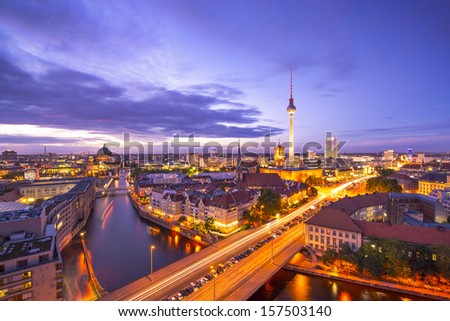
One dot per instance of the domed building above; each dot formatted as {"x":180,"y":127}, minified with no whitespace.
{"x":104,"y":155}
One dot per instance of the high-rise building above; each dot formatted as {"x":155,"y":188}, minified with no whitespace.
{"x":291,"y":109}
{"x":409,"y":154}
{"x":331,"y":149}
{"x":389,"y":155}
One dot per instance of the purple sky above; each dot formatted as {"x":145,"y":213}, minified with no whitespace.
{"x":76,"y":74}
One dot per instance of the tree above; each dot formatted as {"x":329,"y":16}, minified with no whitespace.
{"x":252,"y":217}
{"x":182,"y":219}
{"x":395,"y":254}
{"x":370,"y":260}
{"x":442,"y":256}
{"x":383,"y":185}
{"x":329,"y":256}
{"x":314,"y":180}
{"x":209,"y":224}
{"x":312,"y":191}
{"x":421,"y":259}
{"x":384,"y":172}
{"x":269,"y":203}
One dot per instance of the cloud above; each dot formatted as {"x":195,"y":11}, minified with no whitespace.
{"x":66,"y":98}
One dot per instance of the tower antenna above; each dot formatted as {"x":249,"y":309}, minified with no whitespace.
{"x":291,"y":85}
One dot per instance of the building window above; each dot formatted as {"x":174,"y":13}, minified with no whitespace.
{"x":322,"y":231}
{"x":334,"y":242}
{"x":353,"y":236}
{"x":316,"y":238}
{"x":316,"y":229}
{"x":310,"y":228}
{"x":434,"y":257}
{"x":347,"y":235}
{"x":310,"y":237}
{"x":328,"y":240}
{"x":340,"y":234}
{"x":353,"y":246}
{"x":2,"y":268}
{"x":43,"y":258}
{"x":22,"y":263}
{"x":322,"y":239}
{"x":334,"y":233}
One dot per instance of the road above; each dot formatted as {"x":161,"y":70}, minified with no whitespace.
{"x":172,"y":279}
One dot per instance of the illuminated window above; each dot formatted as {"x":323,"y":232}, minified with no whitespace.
{"x":434,"y":257}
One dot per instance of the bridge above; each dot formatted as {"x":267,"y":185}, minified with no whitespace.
{"x":239,"y":281}
{"x":103,"y":191}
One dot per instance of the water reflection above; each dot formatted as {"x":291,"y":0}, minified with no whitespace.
{"x":119,"y":247}
{"x":289,"y":286}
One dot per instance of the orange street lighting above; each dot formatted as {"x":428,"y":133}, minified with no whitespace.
{"x":214,"y":277}
{"x":152,"y":247}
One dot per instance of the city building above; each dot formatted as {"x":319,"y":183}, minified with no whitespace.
{"x":388,"y":155}
{"x":354,"y":220}
{"x":330,"y":150}
{"x":30,"y":268}
{"x":46,"y":189}
{"x":30,"y":261}
{"x":409,"y":184}
{"x":278,"y":156}
{"x":293,"y":174}
{"x":9,"y":155}
{"x":424,"y":208}
{"x":31,"y":174}
{"x":433,"y":181}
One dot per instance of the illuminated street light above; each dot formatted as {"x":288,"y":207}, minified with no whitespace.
{"x":151,"y":261}
{"x":82,"y":234}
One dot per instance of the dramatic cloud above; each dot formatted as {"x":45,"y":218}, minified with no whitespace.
{"x":71,"y":99}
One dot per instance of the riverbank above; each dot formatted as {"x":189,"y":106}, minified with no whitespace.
{"x":193,"y":236}
{"x":301,"y":264}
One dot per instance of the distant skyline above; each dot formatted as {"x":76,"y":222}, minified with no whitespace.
{"x":77,"y":74}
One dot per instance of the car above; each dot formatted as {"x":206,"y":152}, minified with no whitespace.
{"x":179,"y":296}
{"x":190,"y":289}
{"x":209,"y":276}
{"x":184,"y":292}
{"x":194,"y":286}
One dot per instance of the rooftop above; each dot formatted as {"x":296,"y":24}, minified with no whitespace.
{"x":11,"y":206}
{"x":20,"y":214}
{"x":26,"y":247}
{"x":406,"y":233}
{"x":351,"y":204}
{"x":335,"y":219}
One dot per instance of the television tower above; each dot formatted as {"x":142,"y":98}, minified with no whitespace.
{"x":291,"y":111}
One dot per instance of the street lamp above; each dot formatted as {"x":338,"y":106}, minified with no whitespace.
{"x":214,"y":277}
{"x":152,"y":247}
{"x":82,"y":234}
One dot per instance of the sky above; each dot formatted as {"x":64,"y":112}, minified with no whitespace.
{"x":77,"y":74}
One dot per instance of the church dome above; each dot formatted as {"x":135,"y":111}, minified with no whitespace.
{"x":104,"y":151}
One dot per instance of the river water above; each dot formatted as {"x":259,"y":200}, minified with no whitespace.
{"x":119,"y":246}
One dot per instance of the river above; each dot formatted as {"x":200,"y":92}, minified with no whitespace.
{"x":119,"y":249}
